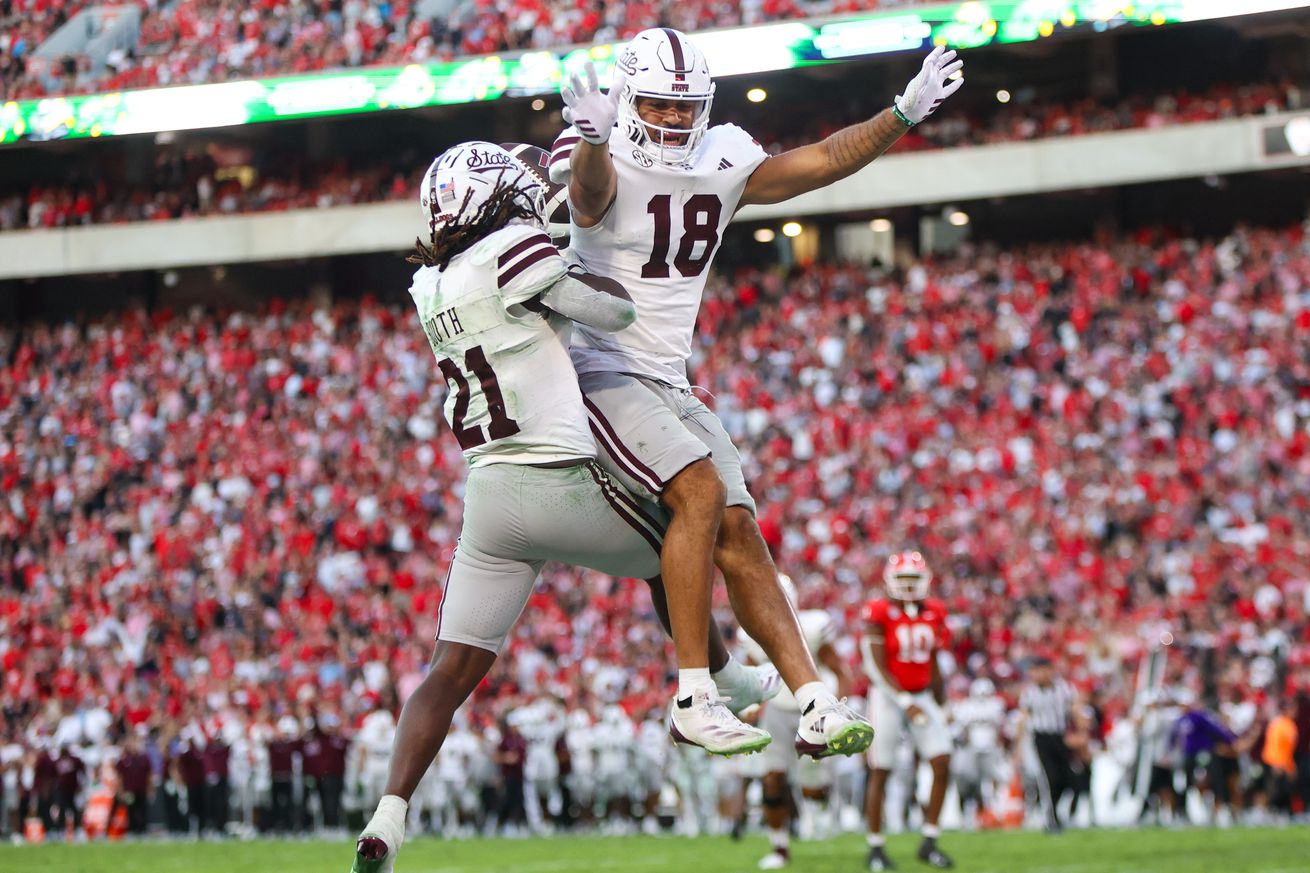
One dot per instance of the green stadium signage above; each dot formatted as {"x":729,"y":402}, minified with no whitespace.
{"x":731,"y":52}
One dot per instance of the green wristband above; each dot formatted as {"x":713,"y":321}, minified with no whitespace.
{"x":896,"y":110}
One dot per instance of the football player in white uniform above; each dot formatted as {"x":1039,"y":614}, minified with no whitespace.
{"x":372,"y":748}
{"x":978,"y":764}
{"x":781,"y":717}
{"x":613,"y":738}
{"x":542,"y":723}
{"x":651,"y":188}
{"x":495,"y":300}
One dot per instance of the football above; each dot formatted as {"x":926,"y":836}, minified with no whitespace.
{"x":537,"y":161}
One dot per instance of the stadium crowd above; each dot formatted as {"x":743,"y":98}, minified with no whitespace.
{"x":199,"y":41}
{"x":193,"y":181}
{"x":224,"y":530}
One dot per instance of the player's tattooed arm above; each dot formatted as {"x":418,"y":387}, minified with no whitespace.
{"x":855,"y":147}
{"x":822,"y":163}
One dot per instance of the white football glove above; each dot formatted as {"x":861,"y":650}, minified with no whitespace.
{"x":927,"y":90}
{"x":587,"y":109}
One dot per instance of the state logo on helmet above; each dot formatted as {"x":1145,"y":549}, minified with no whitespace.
{"x":906,"y":576}
{"x":463,"y":178}
{"x":662,"y":64}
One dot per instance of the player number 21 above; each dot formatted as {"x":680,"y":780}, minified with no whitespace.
{"x":700,"y":224}
{"x":914,"y":643}
{"x":501,"y":425}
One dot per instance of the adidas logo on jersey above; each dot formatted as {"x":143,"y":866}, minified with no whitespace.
{"x":724,"y":163}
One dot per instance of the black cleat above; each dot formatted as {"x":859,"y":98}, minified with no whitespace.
{"x":933,"y":856}
{"x":878,"y":860}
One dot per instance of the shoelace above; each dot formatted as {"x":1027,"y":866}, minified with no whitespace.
{"x":837,"y":707}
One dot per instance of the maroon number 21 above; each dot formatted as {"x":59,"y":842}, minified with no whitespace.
{"x":501,"y":426}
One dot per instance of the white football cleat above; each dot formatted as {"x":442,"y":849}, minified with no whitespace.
{"x":832,"y":728}
{"x":707,"y":722}
{"x":775,"y":860}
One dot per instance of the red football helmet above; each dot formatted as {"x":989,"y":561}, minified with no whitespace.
{"x":906,"y":576}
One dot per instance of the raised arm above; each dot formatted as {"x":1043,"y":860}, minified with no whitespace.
{"x":853,"y":148}
{"x":593,"y":183}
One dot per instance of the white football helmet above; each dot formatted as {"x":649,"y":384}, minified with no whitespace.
{"x":662,"y":63}
{"x":473,"y":170}
{"x":906,"y":576}
{"x":982,"y":687}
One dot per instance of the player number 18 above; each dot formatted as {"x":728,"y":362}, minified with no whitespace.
{"x":700,"y":224}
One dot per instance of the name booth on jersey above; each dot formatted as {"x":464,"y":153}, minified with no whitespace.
{"x":442,"y":326}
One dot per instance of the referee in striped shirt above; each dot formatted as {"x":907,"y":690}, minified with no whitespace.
{"x":1048,"y":703}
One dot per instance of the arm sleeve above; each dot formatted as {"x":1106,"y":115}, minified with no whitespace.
{"x":560,"y":153}
{"x":527,"y":264}
{"x":575,"y":299}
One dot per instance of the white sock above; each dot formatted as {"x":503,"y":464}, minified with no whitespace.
{"x":808,"y":693}
{"x":693,"y":680}
{"x":931,"y":832}
{"x":875,"y":841}
{"x":732,"y":674}
{"x":779,"y":838}
{"x":390,"y":819}
{"x":391,"y":805}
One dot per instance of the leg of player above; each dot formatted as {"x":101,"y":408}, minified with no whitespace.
{"x":877,"y":860}
{"x":695,"y":499}
{"x":777,"y":815}
{"x":928,"y":851}
{"x":741,"y":685}
{"x":828,"y":726}
{"x":424,"y":722}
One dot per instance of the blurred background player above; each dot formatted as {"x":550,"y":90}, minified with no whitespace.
{"x":656,"y":436}
{"x":542,"y":724}
{"x":783,"y":770}
{"x":903,"y":635}
{"x":978,"y":763}
{"x":371,"y":753}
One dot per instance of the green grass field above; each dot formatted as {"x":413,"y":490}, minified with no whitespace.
{"x":1190,"y":851}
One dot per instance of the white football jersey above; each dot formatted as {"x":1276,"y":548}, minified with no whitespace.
{"x":513,"y":395}
{"x":459,"y":755}
{"x":819,"y":630}
{"x":980,"y":720}
{"x":658,"y":238}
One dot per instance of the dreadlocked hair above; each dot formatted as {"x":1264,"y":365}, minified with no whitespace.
{"x":456,"y":237}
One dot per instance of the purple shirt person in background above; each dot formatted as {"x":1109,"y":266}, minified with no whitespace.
{"x":1199,"y":731}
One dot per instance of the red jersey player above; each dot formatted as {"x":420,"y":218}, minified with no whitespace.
{"x":901,"y":640}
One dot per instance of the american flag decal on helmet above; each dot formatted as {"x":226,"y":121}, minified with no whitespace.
{"x":446,"y":191}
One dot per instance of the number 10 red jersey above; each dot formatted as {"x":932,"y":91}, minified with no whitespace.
{"x":911,"y":641}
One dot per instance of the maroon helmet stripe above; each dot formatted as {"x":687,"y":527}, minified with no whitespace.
{"x":679,"y":63}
